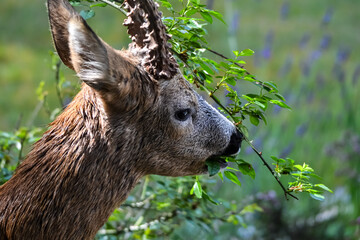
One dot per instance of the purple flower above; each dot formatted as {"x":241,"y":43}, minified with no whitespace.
{"x":266,"y":52}
{"x":342,"y":55}
{"x":301,"y":129}
{"x":327,"y":17}
{"x":284,"y":10}
{"x":325,"y":42}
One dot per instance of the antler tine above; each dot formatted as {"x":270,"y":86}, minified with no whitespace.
{"x":149,"y":38}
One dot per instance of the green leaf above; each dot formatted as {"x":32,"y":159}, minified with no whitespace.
{"x":299,"y":167}
{"x":207,"y":17}
{"x":98,"y":5}
{"x":254,"y":120}
{"x":262,"y":105}
{"x":254,"y":207}
{"x":191,"y":11}
{"x":278,"y":95}
{"x":246,"y":52}
{"x":217,"y":15}
{"x":87,"y":14}
{"x":196,"y":189}
{"x":317,"y":196}
{"x":323,"y":187}
{"x":221,"y":176}
{"x":246,"y":169}
{"x":231,"y":81}
{"x":237,"y":53}
{"x":278,"y":160}
{"x":280,"y":104}
{"x":207,"y":197}
{"x":206,"y":68}
{"x":196,"y":2}
{"x":213,"y":166}
{"x":166,"y":4}
{"x":232,"y":177}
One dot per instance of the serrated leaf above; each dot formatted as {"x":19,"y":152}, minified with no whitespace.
{"x":232,"y":177}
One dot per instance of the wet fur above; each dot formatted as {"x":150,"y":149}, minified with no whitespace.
{"x":118,"y":128}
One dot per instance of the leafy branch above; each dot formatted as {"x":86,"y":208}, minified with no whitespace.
{"x":188,"y":45}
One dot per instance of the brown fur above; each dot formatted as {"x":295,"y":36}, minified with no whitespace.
{"x":121,"y":126}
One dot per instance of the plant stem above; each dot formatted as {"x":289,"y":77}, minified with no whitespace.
{"x":211,"y":95}
{"x":286,"y":192}
{"x":114,"y":5}
{"x":57,"y":80}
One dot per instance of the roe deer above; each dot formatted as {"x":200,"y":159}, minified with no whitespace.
{"x":135,"y":115}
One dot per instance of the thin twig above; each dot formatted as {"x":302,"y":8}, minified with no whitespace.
{"x":211,"y":95}
{"x":286,"y":192}
{"x":240,"y":66}
{"x":114,"y":5}
{"x":57,"y":80}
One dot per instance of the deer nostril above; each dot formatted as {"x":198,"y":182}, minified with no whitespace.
{"x":234,"y":144}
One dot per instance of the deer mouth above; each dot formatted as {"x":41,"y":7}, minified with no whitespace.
{"x":214,"y":164}
{"x":219,"y":160}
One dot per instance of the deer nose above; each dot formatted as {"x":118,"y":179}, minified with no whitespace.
{"x":234,"y":144}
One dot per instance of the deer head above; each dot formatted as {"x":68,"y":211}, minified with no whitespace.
{"x":135,"y":115}
{"x":143,"y":88}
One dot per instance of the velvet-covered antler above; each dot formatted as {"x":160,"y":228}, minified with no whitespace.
{"x":149,"y":38}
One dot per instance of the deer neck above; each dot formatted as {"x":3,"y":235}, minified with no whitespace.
{"x":73,"y":179}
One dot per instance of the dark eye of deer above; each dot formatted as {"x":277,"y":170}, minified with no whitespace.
{"x":183,"y":114}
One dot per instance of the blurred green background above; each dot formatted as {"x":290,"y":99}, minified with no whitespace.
{"x":310,"y":49}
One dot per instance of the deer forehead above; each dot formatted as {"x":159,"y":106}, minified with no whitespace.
{"x":179,"y":92}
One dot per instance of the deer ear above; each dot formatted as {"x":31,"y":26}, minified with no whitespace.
{"x":88,"y":55}
{"x":78,"y":46}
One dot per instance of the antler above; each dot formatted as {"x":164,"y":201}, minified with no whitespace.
{"x":149,"y":38}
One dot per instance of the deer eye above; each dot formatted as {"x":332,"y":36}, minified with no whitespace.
{"x":183,"y":114}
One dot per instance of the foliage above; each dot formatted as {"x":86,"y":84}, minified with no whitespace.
{"x":160,"y":200}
